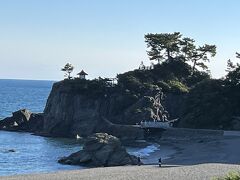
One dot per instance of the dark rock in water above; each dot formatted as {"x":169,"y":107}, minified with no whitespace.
{"x":201,"y":141}
{"x":99,"y":150}
{"x":22,"y":116}
{"x":23,"y":120}
{"x":19,"y":118}
{"x":11,"y":150}
{"x":35,"y":123}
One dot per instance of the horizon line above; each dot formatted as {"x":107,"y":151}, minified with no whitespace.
{"x":22,"y":79}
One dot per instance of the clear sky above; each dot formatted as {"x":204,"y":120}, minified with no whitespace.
{"x":106,"y":37}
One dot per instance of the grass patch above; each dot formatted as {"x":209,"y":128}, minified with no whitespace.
{"x":229,"y":176}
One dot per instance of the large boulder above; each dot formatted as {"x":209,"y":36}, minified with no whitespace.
{"x":100,"y":150}
{"x":23,"y":120}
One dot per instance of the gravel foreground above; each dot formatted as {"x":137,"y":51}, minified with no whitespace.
{"x":150,"y":172}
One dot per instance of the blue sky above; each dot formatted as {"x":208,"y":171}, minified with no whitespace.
{"x":106,"y":37}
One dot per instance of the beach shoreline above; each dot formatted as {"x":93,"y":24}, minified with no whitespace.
{"x":201,"y":157}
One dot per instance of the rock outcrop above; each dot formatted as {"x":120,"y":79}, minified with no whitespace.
{"x":100,"y":150}
{"x":74,"y":108}
{"x":80,"y":108}
{"x":23,"y":120}
{"x":70,"y":111}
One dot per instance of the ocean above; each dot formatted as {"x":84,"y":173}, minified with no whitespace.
{"x":35,"y":154}
{"x":18,"y":94}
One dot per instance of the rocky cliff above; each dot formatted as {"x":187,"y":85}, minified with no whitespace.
{"x":72,"y":111}
{"x":82,"y":107}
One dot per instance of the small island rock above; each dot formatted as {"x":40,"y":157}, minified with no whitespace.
{"x":23,"y":120}
{"x":101,"y":150}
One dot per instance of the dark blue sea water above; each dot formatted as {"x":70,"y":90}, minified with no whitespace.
{"x":17,"y":94}
{"x":33,"y":154}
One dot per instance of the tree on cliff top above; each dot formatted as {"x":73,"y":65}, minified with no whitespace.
{"x":171,"y":46}
{"x":201,"y":55}
{"x":233,"y":76}
{"x":237,"y":55}
{"x":68,"y":69}
{"x":187,"y":48}
{"x":163,"y":46}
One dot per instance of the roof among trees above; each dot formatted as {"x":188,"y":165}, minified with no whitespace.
{"x":82,"y":73}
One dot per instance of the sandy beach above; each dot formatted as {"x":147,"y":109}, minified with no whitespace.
{"x":196,"y":172}
{"x":197,"y":157}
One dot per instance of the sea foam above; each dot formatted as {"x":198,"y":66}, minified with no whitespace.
{"x":144,"y":152}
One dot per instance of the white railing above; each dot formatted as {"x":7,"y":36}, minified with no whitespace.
{"x":156,"y":124}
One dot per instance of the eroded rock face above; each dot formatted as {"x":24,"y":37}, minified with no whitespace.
{"x":99,"y":150}
{"x":73,"y":108}
{"x":23,"y":120}
{"x":69,"y":112}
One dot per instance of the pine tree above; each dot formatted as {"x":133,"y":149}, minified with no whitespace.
{"x":163,"y":46}
{"x":68,"y":69}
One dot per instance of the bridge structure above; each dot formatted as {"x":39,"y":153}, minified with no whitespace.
{"x":157,"y":124}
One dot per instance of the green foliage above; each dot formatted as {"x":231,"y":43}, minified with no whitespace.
{"x":96,"y":88}
{"x":130,"y":82}
{"x":208,"y":106}
{"x":213,"y":103}
{"x":163,"y":46}
{"x":170,"y":76}
{"x":232,"y":82}
{"x":230,"y":176}
{"x":123,"y":101}
{"x":164,"y":86}
{"x":177,"y":87}
{"x":68,"y":69}
{"x":201,"y":55}
{"x":233,"y":76}
{"x":187,"y":48}
{"x":171,"y":46}
{"x":171,"y":70}
{"x":237,"y":55}
{"x":197,"y":77}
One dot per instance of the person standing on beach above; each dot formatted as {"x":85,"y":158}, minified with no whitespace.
{"x":160,"y":162}
{"x":139,"y":160}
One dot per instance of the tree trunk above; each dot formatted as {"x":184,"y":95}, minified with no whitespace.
{"x":168,"y":54}
{"x":194,"y":66}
